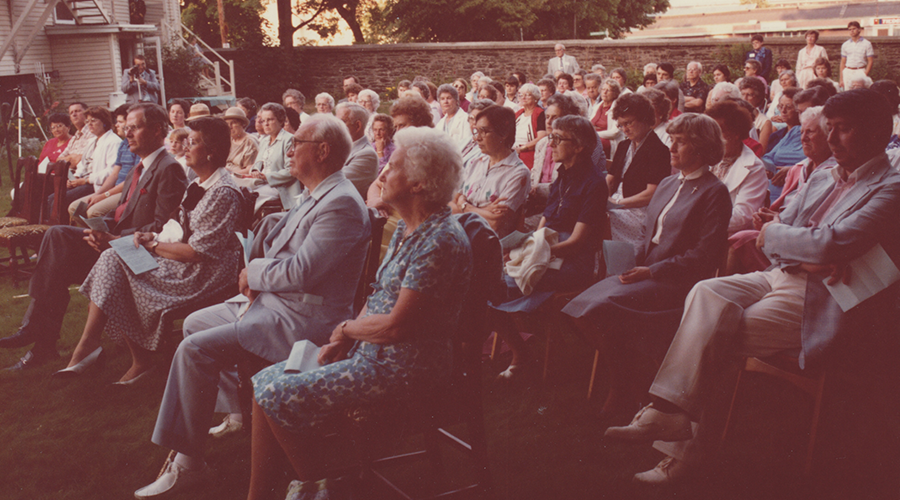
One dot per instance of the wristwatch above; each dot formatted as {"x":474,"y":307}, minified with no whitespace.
{"x":462,"y":208}
{"x":343,"y":325}
{"x":153,"y":246}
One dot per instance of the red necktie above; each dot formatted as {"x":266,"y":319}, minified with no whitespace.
{"x":134,"y":182}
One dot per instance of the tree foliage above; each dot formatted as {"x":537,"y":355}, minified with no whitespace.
{"x":478,"y":20}
{"x":244,"y":18}
{"x":322,"y":17}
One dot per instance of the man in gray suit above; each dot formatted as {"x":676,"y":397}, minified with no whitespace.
{"x":562,"y":62}
{"x":361,"y":166}
{"x":842,"y":214}
{"x":300,"y":283}
{"x":139,"y":83}
{"x":68,"y":253}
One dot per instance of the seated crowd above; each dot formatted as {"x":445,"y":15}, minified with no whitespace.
{"x":739,"y":212}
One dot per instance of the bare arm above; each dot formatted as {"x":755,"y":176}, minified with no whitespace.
{"x":641,"y":199}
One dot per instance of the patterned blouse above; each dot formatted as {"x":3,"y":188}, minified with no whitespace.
{"x":435,"y":260}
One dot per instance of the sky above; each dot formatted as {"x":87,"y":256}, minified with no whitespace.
{"x":344,"y":37}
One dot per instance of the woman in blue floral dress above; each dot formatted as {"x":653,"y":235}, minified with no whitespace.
{"x":399,"y":345}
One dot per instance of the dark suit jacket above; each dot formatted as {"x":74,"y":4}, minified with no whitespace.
{"x":651,"y":164}
{"x":158,"y":195}
{"x":695,"y":231}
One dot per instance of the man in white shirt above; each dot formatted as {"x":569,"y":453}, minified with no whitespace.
{"x":857,"y":56}
{"x":562,"y":62}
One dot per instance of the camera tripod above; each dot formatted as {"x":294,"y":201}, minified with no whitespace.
{"x":19,"y":112}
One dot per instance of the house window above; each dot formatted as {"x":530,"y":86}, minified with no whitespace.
{"x":62,"y":15}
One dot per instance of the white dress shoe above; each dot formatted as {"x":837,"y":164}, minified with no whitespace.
{"x":82,"y":365}
{"x":139,"y":376}
{"x":651,"y":424}
{"x":173,"y":479}
{"x":668,"y":471}
{"x":227,"y":426}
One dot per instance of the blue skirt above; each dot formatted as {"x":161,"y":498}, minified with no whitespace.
{"x":576,"y":273}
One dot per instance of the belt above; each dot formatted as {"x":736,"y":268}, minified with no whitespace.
{"x":861,"y":67}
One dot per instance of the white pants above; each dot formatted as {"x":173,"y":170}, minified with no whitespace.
{"x":849,"y":74}
{"x":754,"y":314}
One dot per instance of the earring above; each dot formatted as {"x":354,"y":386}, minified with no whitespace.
{"x":208,"y":157}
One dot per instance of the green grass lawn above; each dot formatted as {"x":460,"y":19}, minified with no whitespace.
{"x":88,"y":439}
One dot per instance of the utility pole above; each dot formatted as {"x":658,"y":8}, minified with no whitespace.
{"x":223,"y":27}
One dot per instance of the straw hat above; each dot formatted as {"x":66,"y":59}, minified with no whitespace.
{"x":236,"y":113}
{"x":198,"y":110}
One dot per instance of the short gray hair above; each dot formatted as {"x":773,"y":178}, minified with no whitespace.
{"x":789,"y":73}
{"x":726,"y":89}
{"x":326,"y":96}
{"x":531,"y":89}
{"x":376,"y":101}
{"x":593,"y":77}
{"x":481,"y":104}
{"x":296,"y":94}
{"x":815,"y":114}
{"x":702,"y":133}
{"x":650,"y":67}
{"x":598,"y":66}
{"x":448,"y":89}
{"x":699,"y":66}
{"x":328,"y":129}
{"x":276,"y":109}
{"x":357,"y":112}
{"x":477,"y":74}
{"x":433,"y":160}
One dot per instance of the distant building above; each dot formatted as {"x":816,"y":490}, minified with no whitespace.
{"x":780,"y":19}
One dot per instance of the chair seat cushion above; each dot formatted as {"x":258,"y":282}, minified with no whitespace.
{"x":12,"y":221}
{"x":22,"y":234}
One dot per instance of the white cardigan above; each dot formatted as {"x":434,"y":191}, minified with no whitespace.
{"x":748,"y":186}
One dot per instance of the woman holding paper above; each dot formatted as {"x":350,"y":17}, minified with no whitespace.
{"x":685,"y":238}
{"x":576,"y":211}
{"x":399,"y":345}
{"x":196,"y":254}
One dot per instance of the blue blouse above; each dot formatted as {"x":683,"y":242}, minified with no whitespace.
{"x":435,"y":260}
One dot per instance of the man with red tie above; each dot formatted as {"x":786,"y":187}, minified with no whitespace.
{"x":154,"y":189}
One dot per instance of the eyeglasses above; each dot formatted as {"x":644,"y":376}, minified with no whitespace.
{"x":481,"y":131}
{"x":132,"y":128}
{"x":54,"y":126}
{"x":267,"y":120}
{"x":190,"y":142}
{"x":556,"y":139}
{"x":298,"y":142}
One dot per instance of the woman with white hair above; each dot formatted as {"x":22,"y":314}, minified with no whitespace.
{"x":398,"y":348}
{"x":324,"y":103}
{"x":723,"y":91}
{"x":473,"y":94}
{"x":530,"y":123}
{"x":369,"y":99}
{"x":454,"y":123}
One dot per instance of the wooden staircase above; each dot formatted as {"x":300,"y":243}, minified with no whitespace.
{"x":87,"y":12}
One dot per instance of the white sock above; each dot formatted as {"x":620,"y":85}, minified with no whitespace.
{"x":188,"y":462}
{"x":237,"y":417}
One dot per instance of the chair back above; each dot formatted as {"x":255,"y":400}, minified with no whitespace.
{"x":58,"y":175}
{"x":486,"y":285}
{"x":248,"y":203}
{"x":372,"y":263}
{"x":23,"y":191}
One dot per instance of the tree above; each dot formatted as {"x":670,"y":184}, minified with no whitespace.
{"x":245,"y":22}
{"x":476,"y":20}
{"x":320,"y":16}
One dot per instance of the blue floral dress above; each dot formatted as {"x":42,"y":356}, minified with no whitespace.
{"x":436,"y":261}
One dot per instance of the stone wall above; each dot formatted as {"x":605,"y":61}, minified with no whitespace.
{"x":380,"y":67}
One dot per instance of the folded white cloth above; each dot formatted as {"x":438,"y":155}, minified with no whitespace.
{"x":529,"y":262}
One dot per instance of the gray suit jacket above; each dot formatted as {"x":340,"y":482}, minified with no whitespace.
{"x":307,"y":264}
{"x":569,"y":65}
{"x":157,"y":196}
{"x":867,"y":215}
{"x":361,"y":166}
